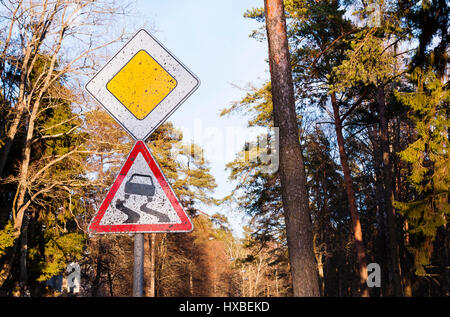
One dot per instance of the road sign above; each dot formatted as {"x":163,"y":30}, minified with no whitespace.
{"x":142,"y":85}
{"x":140,"y":200}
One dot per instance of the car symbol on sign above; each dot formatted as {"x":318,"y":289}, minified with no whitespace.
{"x":143,"y":187}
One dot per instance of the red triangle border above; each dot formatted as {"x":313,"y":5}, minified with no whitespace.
{"x":185,"y":225}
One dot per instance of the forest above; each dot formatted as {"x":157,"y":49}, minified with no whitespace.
{"x":359,"y":91}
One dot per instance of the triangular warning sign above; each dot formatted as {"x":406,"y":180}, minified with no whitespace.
{"x":140,"y":200}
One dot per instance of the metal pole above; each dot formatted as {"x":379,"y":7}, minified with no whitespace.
{"x":138,"y":268}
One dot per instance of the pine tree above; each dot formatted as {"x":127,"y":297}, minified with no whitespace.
{"x":429,"y":160}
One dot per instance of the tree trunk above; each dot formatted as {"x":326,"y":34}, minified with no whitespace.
{"x":276,"y":284}
{"x":381,"y":223}
{"x":325,"y":231}
{"x":23,"y":274}
{"x":191,"y":283}
{"x":110,"y":282}
{"x":388,"y":194}
{"x":446,"y":266}
{"x":4,"y":153}
{"x":357,"y":231}
{"x":8,"y":264}
{"x":98,"y":272}
{"x":149,"y":264}
{"x":292,"y":171}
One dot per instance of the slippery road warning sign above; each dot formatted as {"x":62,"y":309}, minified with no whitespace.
{"x":142,"y":85}
{"x":140,"y":200}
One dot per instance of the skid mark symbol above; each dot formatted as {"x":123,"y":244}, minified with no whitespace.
{"x":133,"y":217}
{"x":161,"y":217}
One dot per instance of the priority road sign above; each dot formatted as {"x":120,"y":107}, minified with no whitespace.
{"x":142,"y":85}
{"x":140,"y":200}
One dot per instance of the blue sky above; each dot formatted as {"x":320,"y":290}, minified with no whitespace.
{"x":212,"y":39}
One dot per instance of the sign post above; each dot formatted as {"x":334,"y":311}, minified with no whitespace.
{"x":140,"y":87}
{"x":138,"y":266}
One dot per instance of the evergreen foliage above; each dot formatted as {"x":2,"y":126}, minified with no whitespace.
{"x":429,"y":160}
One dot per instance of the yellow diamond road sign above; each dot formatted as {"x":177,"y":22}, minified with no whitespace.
{"x":142,"y":85}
